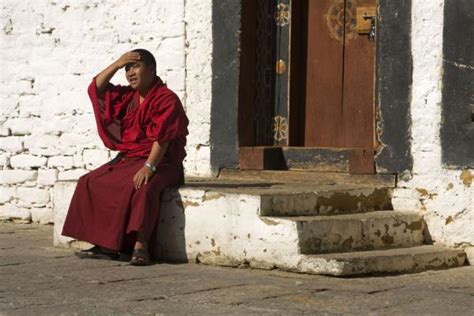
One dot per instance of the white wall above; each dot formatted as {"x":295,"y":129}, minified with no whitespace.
{"x":198,"y":17}
{"x":445,"y":197}
{"x":50,"y":50}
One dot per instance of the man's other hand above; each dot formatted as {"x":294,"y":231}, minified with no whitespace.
{"x":142,"y":177}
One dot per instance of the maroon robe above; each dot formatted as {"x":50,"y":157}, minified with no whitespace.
{"x":106,"y":210}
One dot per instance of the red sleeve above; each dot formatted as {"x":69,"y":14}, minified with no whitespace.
{"x":168,"y":119}
{"x":108,"y":111}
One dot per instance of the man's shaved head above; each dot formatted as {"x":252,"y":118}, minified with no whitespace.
{"x":146,"y":57}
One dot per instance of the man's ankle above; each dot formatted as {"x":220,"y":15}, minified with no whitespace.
{"x":140,"y":245}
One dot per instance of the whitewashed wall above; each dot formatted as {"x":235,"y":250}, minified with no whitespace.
{"x":50,"y":50}
{"x":445,"y":197}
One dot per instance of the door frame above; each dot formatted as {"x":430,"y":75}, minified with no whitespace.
{"x":392,"y":84}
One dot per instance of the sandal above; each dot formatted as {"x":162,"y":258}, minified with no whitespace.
{"x":140,"y":257}
{"x":97,"y":252}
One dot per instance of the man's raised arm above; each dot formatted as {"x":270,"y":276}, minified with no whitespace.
{"x":105,"y":75}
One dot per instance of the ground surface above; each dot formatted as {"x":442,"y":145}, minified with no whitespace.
{"x":38,"y":279}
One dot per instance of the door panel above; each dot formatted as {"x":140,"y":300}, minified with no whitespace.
{"x":340,"y":77}
{"x":358,"y":91}
{"x":323,"y":123}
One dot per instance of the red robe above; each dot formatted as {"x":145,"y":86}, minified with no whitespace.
{"x":105,"y":209}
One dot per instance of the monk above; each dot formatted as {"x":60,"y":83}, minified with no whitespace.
{"x":115,"y":207}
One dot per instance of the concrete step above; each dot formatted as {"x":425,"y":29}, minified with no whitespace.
{"x":303,"y":198}
{"x":306,"y":176}
{"x":367,"y":231}
{"x":221,"y":224}
{"x":326,"y":201}
{"x":404,"y":260}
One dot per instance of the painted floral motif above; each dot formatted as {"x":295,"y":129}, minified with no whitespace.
{"x":335,"y":19}
{"x":280,"y":129}
{"x":282,"y":15}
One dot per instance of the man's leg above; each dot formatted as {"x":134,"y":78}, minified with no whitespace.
{"x":145,"y":205}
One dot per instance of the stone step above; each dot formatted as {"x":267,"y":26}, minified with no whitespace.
{"x":305,"y":177}
{"x":219,"y":225}
{"x":326,"y":201}
{"x":367,"y":231}
{"x":403,"y":260}
{"x":304,"y":198}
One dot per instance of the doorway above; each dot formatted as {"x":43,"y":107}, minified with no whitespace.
{"x":307,"y":75}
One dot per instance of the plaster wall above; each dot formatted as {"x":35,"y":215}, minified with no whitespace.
{"x":443,"y":196}
{"x":50,"y":50}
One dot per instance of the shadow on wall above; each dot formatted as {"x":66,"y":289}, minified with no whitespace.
{"x":170,"y":242}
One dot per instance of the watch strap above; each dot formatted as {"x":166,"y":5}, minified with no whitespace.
{"x":150,"y":166}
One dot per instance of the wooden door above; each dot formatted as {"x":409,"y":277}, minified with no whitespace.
{"x":339,"y":110}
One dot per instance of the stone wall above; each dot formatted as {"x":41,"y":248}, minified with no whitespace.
{"x":445,"y":197}
{"x":50,"y":50}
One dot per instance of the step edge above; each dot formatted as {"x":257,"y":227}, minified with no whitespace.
{"x":425,"y":249}
{"x":349,"y":267}
{"x":366,"y":215}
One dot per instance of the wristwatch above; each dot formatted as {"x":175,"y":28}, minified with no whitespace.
{"x":150,"y":166}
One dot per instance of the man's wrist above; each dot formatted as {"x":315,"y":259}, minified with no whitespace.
{"x":116,"y":65}
{"x":150,"y":166}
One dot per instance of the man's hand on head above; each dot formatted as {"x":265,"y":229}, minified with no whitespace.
{"x":103,"y":78}
{"x":127,"y":58}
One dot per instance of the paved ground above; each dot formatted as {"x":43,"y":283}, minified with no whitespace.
{"x":38,"y":279}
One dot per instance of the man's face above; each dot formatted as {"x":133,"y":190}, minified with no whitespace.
{"x":139,"y":75}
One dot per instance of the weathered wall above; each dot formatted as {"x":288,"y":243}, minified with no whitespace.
{"x":198,"y":19}
{"x":50,"y":50}
{"x":445,"y":197}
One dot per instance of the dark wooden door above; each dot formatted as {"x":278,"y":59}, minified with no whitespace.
{"x":339,"y":110}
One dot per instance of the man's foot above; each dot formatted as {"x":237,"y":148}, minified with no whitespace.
{"x":97,"y":252}
{"x":140,"y":257}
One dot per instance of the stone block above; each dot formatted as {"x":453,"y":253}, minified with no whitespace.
{"x":4,"y":160}
{"x":167,"y":54}
{"x":11,"y":211}
{"x":29,"y":105}
{"x":64,"y":162}
{"x":29,"y":184}
{"x":94,"y":158}
{"x":84,"y":123}
{"x":42,"y":215}
{"x":73,"y":174}
{"x":7,"y":194}
{"x":88,"y":140}
{"x":23,"y":126}
{"x":33,"y":195}
{"x":9,"y":107}
{"x":11,"y":144}
{"x":25,"y":161}
{"x":236,"y":234}
{"x":43,"y":145}
{"x":4,"y":131}
{"x":57,"y":125}
{"x":16,"y":176}
{"x":78,"y":161}
{"x":175,"y":79}
{"x":47,"y":177}
{"x":62,"y":195}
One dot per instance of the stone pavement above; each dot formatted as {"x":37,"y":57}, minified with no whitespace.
{"x":36,"y":278}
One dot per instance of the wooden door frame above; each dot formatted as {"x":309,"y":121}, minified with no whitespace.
{"x":392,"y":92}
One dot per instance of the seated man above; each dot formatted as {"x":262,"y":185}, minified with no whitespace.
{"x":116,"y":206}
